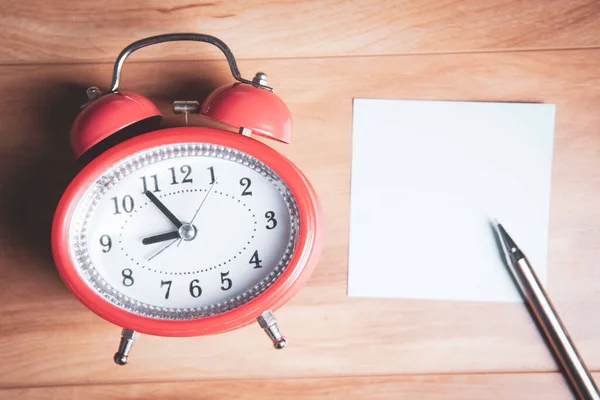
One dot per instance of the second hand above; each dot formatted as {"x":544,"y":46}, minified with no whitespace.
{"x":164,"y":248}
{"x":200,"y":206}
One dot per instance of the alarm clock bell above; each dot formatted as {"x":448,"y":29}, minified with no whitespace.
{"x":249,"y":107}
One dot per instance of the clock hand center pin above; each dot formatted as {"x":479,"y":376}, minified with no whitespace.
{"x":187,"y":232}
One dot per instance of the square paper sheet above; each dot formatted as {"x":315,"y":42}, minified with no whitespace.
{"x":427,"y":179}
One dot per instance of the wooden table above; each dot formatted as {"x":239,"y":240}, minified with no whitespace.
{"x":319,"y":55}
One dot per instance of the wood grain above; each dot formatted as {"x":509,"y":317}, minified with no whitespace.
{"x":550,"y":386}
{"x":48,"y":338}
{"x":36,"y":31}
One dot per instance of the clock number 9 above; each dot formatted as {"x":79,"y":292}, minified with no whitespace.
{"x":271,"y":221}
{"x":127,"y":277}
{"x":195,"y":289}
{"x":106,"y":243}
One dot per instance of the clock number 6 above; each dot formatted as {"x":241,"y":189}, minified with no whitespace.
{"x":195,"y":289}
{"x":225,"y":281}
{"x":127,"y":277}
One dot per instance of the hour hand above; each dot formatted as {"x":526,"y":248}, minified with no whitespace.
{"x":161,"y":238}
{"x":163,"y":209}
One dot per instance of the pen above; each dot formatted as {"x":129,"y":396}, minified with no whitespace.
{"x":542,"y":310}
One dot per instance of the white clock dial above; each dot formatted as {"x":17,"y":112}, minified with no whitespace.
{"x":184,"y":231}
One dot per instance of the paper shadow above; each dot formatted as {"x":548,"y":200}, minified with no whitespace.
{"x":39,"y":173}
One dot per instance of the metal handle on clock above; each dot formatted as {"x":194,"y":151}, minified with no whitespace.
{"x":177,"y":37}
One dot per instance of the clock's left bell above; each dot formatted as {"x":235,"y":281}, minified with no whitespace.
{"x":108,"y":119}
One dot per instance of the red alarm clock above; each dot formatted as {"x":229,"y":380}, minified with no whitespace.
{"x":185,"y":231}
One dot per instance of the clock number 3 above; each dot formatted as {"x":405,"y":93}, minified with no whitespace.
{"x":127,"y":277}
{"x":271,"y":221}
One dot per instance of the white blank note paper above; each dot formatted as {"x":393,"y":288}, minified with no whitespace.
{"x":427,"y":178}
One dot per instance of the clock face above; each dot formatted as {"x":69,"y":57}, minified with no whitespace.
{"x":184,"y":231}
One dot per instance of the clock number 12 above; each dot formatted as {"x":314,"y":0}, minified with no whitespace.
{"x":185,"y":169}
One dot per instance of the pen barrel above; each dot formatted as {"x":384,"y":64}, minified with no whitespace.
{"x":555,"y":332}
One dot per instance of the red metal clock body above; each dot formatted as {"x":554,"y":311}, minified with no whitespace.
{"x":124,"y":203}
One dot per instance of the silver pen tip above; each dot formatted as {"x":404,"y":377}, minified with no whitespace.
{"x":509,"y":247}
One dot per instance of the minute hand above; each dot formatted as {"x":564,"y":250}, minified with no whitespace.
{"x":163,"y":209}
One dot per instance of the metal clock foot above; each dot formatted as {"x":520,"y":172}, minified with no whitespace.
{"x":269,"y":324}
{"x":127,"y":338}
